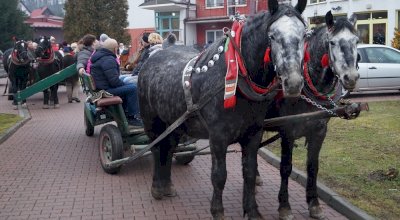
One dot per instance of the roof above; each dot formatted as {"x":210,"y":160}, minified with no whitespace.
{"x":161,"y":2}
{"x":41,"y":11}
{"x":45,"y":24}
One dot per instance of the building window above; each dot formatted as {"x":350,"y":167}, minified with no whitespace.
{"x":372,"y":27}
{"x":167,"y":22}
{"x":398,"y":19}
{"x":237,"y":2}
{"x":317,"y":1}
{"x":214,"y":3}
{"x":213,"y":35}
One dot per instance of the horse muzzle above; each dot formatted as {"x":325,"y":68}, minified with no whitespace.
{"x":292,"y":86}
{"x":349,"y":81}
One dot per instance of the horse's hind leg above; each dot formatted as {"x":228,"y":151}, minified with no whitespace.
{"x":249,"y":144}
{"x":162,"y":154}
{"x":218,"y":175}
{"x":284,"y":209}
{"x":46,"y":98}
{"x":314,"y":140}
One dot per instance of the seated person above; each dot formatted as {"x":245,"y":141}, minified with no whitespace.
{"x":105,"y":72}
{"x":155,"y":44}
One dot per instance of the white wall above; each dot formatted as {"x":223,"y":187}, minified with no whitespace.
{"x":351,"y":6}
{"x":139,"y":18}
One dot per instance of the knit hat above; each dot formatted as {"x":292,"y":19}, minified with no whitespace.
{"x":145,"y":37}
{"x":103,"y":37}
{"x":110,"y":44}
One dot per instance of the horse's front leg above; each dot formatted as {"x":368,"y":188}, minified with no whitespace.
{"x":162,"y":154}
{"x":54,"y":95}
{"x":315,"y":140}
{"x":250,"y":143}
{"x":218,"y":176}
{"x":285,"y":211}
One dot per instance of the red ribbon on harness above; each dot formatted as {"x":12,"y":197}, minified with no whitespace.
{"x":325,"y":61}
{"x":233,"y":63}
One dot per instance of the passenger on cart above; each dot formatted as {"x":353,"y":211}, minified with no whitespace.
{"x":105,"y":72}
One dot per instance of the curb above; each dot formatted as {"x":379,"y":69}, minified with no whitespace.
{"x":324,"y":193}
{"x":22,"y":112}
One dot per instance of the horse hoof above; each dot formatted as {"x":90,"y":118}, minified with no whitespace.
{"x":24,"y":105}
{"x":316,"y":212}
{"x":157,"y":193}
{"x":45,"y":107}
{"x":259,"y":181}
{"x":170,"y":191}
{"x":285,"y":214}
{"x":15,"y":107}
{"x":218,"y":217}
{"x":57,"y":106}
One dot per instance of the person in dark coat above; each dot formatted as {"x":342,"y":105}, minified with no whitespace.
{"x":105,"y":71}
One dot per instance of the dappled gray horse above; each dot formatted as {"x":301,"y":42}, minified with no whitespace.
{"x":162,"y":97}
{"x":332,"y":61}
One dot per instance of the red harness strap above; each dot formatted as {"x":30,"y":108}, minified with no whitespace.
{"x":324,"y":64}
{"x":48,"y":60}
{"x":234,"y":63}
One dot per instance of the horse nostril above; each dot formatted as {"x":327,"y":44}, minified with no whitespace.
{"x":346,"y":77}
{"x":285,"y":83}
{"x":358,"y":76}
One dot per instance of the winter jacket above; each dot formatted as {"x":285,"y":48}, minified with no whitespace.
{"x":142,"y":59}
{"x":105,"y":69}
{"x":83,"y":57}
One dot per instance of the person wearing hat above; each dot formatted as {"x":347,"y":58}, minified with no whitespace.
{"x":105,"y":71}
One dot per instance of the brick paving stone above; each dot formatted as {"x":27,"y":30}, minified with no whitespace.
{"x":50,"y":170}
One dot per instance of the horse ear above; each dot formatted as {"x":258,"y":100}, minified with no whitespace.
{"x":273,"y":6}
{"x":353,"y":19}
{"x":329,"y":19}
{"x":301,"y":5}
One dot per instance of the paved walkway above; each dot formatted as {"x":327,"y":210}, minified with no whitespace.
{"x":49,"y":169}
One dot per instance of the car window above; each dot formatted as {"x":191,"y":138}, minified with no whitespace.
{"x":382,"y":55}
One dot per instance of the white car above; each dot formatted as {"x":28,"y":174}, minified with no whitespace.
{"x":379,"y":68}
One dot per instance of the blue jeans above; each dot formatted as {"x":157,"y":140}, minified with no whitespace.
{"x":128,"y":79}
{"x":129,"y":95}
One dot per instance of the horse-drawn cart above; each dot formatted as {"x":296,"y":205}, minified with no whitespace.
{"x":119,"y":139}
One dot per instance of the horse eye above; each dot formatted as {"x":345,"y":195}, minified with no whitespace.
{"x":332,"y":43}
{"x":271,"y":37}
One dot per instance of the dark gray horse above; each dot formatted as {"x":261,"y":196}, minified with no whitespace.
{"x":50,"y":62}
{"x":333,"y":60}
{"x":17,"y":65}
{"x":162,"y":99}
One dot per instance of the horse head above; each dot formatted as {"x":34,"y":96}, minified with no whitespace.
{"x":20,"y":52}
{"x":286,"y":35}
{"x":342,"y":42}
{"x":44,"y":49}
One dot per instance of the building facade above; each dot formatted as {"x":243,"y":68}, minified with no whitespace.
{"x":45,"y":23}
{"x":197,"y":22}
{"x":376,"y":20}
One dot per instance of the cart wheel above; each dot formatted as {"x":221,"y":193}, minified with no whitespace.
{"x":111,"y":147}
{"x":184,"y":160}
{"x":89,"y":128}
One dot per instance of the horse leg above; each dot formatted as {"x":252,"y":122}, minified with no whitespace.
{"x":46,"y":98}
{"x":54,"y":95}
{"x":23,"y":83}
{"x":162,"y":154}
{"x":218,"y":175}
{"x":314,"y":140}
{"x":285,"y":211}
{"x":249,"y":145}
